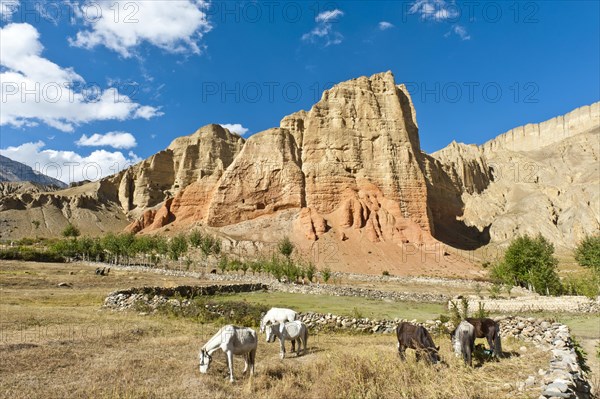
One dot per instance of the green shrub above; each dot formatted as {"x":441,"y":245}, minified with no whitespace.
{"x":178,"y":246}
{"x":310,"y":271}
{"x":195,"y":239}
{"x":30,"y":255}
{"x":326,"y":274}
{"x":385,"y":273}
{"x":210,"y":245}
{"x":587,"y":253}
{"x":223,"y":263}
{"x":481,"y":312}
{"x":587,"y":285}
{"x":530,"y":262}
{"x":285,"y":247}
{"x":71,"y":231}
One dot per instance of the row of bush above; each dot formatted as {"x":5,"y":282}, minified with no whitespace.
{"x":128,"y":249}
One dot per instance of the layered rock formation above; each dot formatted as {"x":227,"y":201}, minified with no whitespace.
{"x":348,"y":172}
{"x":351,"y":162}
{"x":539,"y":178}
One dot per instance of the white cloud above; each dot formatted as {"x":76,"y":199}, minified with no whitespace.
{"x":435,"y":10}
{"x":327,"y":16}
{"x":69,"y":166}
{"x":384,"y":25}
{"x":35,"y":89}
{"x":122,"y":26}
{"x":122,"y":140}
{"x":324,"y":31}
{"x":441,"y":11}
{"x":460,"y":31}
{"x":7,"y":9}
{"x":235,"y":127}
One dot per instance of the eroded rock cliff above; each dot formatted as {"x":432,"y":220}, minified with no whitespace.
{"x":348,"y":171}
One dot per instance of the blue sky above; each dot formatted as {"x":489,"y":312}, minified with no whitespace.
{"x":145,"y":72}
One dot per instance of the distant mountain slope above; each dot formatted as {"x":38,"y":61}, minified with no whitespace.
{"x":13,"y":171}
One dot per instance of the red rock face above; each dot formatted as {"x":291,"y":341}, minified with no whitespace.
{"x":352,"y":161}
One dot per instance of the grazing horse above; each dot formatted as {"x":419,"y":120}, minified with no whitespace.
{"x":417,"y":338}
{"x":489,"y":329}
{"x":290,"y":331}
{"x":233,"y":341}
{"x":463,"y":341}
{"x":278,"y":315}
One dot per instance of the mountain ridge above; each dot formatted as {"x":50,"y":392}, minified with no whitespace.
{"x":349,"y":171}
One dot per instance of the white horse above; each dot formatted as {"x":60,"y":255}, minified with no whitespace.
{"x":463,"y":341}
{"x":278,"y":315}
{"x":233,"y":341}
{"x":291,"y":331}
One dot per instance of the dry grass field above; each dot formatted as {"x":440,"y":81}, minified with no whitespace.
{"x":57,"y":343}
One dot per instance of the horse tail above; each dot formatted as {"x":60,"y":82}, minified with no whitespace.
{"x":497,"y":342}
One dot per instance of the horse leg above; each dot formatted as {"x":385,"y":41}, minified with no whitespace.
{"x":246,"y":361}
{"x":252,"y":358}
{"x":401,"y":350}
{"x":282,"y":348}
{"x":468,"y":357}
{"x":490,"y":340}
{"x":294,"y":345}
{"x":230,"y":364}
{"x":305,"y":342}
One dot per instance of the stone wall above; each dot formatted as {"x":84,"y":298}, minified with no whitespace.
{"x":154,"y":296}
{"x":564,"y":377}
{"x":536,"y":303}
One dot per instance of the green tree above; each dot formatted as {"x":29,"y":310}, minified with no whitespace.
{"x":127,"y":246}
{"x":111,"y":244}
{"x":223,"y":264}
{"x":71,"y":231}
{"x":178,"y":247}
{"x":326,"y":274}
{"x":195,"y":239}
{"x":210,"y":245}
{"x":530,"y":262}
{"x":587,"y":253}
{"x":85,"y":247}
{"x":285,"y":247}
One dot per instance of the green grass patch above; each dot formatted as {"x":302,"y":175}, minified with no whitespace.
{"x":347,"y":306}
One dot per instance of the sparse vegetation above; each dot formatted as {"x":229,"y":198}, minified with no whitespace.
{"x":385,"y":273}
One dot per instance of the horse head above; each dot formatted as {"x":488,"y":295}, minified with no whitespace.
{"x":263,"y":322}
{"x":205,"y":360}
{"x":434,"y":356}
